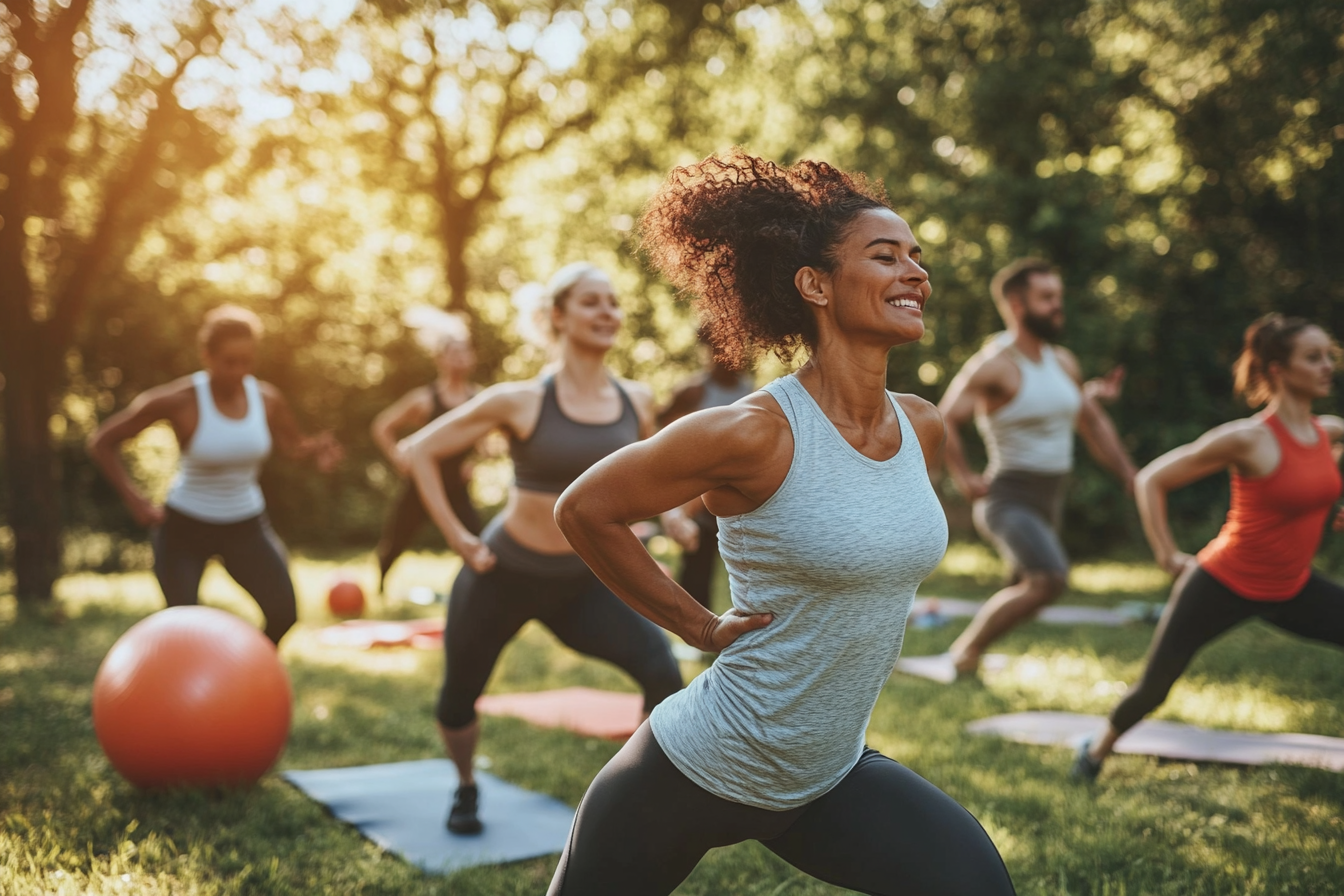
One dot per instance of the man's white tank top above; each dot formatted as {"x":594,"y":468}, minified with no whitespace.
{"x":216,"y":478}
{"x":1033,"y":433}
{"x":836,"y":555}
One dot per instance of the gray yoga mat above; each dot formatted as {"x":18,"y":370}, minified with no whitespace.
{"x":1170,"y":740}
{"x":402,"y":806}
{"x":938,"y":667}
{"x":1125,"y":614}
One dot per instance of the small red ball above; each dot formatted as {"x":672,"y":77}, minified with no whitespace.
{"x":346,"y":599}
{"x":192,"y":697}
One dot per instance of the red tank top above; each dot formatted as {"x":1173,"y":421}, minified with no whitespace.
{"x":1275,"y":524}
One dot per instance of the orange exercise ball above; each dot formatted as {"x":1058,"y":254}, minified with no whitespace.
{"x":346,"y":599}
{"x":192,"y":697}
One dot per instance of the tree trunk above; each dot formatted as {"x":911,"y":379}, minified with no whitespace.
{"x":455,"y":236}
{"x":34,"y":494}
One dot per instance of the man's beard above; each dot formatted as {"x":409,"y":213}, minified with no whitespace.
{"x":1043,"y":326}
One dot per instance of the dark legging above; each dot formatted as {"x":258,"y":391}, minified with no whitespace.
{"x":251,"y":553}
{"x":485,"y":611}
{"x":1201,"y":609}
{"x":697,"y":566}
{"x":409,"y":516}
{"x":883,"y":830}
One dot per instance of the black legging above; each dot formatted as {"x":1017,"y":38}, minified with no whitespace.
{"x":883,"y":830}
{"x":697,"y":566}
{"x":1201,"y":609}
{"x":485,"y":611}
{"x":251,"y":553}
{"x":409,"y":516}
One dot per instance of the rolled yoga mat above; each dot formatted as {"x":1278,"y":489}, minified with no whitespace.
{"x":1170,"y":740}
{"x":402,"y":807}
{"x":584,"y":711}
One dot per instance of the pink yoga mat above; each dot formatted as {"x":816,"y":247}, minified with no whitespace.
{"x":1170,"y":740}
{"x":427,"y":634}
{"x":582,"y":710}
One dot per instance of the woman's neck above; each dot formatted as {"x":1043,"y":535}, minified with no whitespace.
{"x":453,"y":382}
{"x":584,"y":369}
{"x":1293,"y":409}
{"x":849,"y":382}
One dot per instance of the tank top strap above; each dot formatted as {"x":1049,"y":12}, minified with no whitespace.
{"x":256,"y":405}
{"x":907,"y":425}
{"x":205,"y":399}
{"x":436,"y":406}
{"x":627,"y":403}
{"x":1288,"y":443}
{"x":783,"y":391}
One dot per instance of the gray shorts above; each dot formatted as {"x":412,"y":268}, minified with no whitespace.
{"x":1021,"y":517}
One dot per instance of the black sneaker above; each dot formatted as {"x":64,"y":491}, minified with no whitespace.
{"x":1084,"y":769}
{"x":462,"y":816}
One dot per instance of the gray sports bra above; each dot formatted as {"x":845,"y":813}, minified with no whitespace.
{"x":560,"y":449}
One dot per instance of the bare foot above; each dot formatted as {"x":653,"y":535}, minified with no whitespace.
{"x":965,"y":662}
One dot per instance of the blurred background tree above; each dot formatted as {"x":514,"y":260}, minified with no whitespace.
{"x":331,"y":165}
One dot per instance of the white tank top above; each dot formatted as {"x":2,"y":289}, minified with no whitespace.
{"x":835,"y":554}
{"x":1033,"y":432}
{"x":216,"y":478}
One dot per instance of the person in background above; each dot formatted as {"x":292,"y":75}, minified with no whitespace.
{"x":226,"y":422}
{"x":448,"y":340}
{"x":521,"y":567}
{"x":693,"y":526}
{"x":1027,"y":397}
{"x":1285,"y":482}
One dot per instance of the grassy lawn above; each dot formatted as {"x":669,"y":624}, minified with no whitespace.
{"x":69,"y":824}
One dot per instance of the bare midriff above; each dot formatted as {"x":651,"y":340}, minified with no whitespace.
{"x":530,"y":518}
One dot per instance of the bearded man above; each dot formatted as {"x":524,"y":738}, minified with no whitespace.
{"x":1027,"y":397}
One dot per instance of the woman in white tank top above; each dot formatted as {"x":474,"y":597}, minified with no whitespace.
{"x":828,"y":524}
{"x":225,"y":421}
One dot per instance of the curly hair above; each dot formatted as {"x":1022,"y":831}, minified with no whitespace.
{"x":733,"y":231}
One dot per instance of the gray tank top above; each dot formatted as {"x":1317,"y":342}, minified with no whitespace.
{"x":561,"y":450}
{"x":836,"y":555}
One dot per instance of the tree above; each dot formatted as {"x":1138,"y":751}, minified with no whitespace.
{"x":83,"y":167}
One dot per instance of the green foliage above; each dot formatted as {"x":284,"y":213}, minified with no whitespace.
{"x":1177,"y":160}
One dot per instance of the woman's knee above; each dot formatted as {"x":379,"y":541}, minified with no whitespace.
{"x":454,"y":710}
{"x":1044,"y":586}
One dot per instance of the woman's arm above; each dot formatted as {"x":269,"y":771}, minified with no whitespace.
{"x":321,"y":447}
{"x":450,"y":434}
{"x":958,"y":409}
{"x":103,"y":446}
{"x":739,"y":453}
{"x":1334,"y":429}
{"x":411,"y":411}
{"x":1218,"y":449}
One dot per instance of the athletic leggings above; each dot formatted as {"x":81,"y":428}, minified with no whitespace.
{"x":251,"y":552}
{"x":1202,"y":608}
{"x":485,"y":611}
{"x":409,"y":516}
{"x":883,"y":830}
{"x":697,"y":566}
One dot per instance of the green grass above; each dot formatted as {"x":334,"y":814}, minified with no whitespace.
{"x":69,"y":824}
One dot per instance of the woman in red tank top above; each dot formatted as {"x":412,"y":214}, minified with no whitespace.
{"x":1285,"y":482}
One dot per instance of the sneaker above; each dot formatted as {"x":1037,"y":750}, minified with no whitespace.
{"x":1084,"y":769}
{"x":462,"y":817}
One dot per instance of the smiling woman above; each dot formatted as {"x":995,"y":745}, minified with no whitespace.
{"x":828,"y":523}
{"x":521,"y":567}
